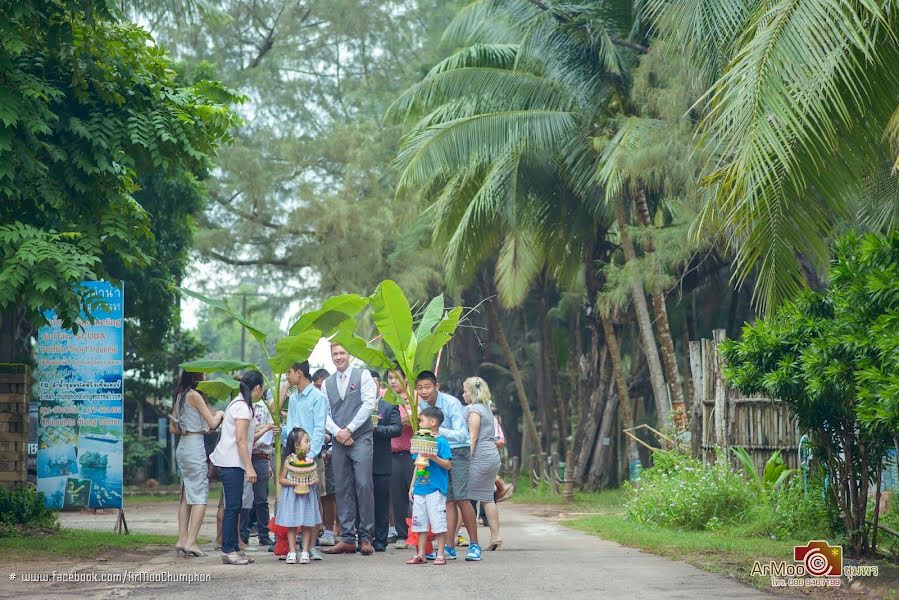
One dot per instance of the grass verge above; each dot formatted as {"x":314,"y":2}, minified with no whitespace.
{"x":75,"y":544}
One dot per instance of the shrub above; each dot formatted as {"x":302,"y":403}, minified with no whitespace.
{"x":139,"y":453}
{"x":792,"y":513}
{"x":684,"y":493}
{"x":24,"y":508}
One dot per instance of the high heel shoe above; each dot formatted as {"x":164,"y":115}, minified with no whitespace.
{"x":179,"y":550}
{"x":191,"y":552}
{"x":495,"y":545}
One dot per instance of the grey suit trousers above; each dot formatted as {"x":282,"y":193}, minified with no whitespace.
{"x":355,"y":490}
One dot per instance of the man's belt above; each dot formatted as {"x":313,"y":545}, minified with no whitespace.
{"x":261,"y":455}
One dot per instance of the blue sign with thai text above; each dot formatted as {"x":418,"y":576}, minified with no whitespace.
{"x":80,"y":391}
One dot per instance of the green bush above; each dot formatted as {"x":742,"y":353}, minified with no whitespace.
{"x":24,"y":508}
{"x":684,"y":493}
{"x":139,"y":453}
{"x":789,"y":513}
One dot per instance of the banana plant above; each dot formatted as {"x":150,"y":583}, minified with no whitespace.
{"x":295,"y":347}
{"x":774,"y":475}
{"x":413,"y":348}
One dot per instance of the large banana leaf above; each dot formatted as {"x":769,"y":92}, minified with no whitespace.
{"x":293,"y":349}
{"x":427,"y":349}
{"x":254,"y":331}
{"x":333,"y":312}
{"x":358,"y":347}
{"x":219,"y":388}
{"x":217,"y":366}
{"x":392,"y":316}
{"x":432,"y":315}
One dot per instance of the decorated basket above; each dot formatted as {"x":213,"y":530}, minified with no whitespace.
{"x":424,"y":445}
{"x":301,"y":472}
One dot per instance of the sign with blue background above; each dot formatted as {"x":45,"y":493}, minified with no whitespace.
{"x":79,"y":458}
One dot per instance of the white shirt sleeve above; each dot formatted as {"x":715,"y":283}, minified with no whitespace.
{"x":369,"y":401}
{"x":331,"y":426}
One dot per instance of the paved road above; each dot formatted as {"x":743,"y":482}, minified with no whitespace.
{"x":539,"y":559}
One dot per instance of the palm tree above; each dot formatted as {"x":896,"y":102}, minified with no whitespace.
{"x":801,"y":118}
{"x":502,"y":138}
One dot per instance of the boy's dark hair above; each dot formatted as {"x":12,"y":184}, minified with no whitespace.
{"x":432,"y":412}
{"x":295,"y":434}
{"x":427,"y":376}
{"x":320,"y":374}
{"x":302,"y":367}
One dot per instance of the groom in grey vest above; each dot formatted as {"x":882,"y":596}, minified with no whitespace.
{"x":353,"y":395}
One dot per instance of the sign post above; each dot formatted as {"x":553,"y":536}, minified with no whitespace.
{"x":80,"y":427}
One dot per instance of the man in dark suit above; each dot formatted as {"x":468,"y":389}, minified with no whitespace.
{"x":389,"y":426}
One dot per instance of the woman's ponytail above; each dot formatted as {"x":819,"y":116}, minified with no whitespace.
{"x":248,"y":381}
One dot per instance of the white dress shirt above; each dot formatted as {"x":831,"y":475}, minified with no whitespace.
{"x":369,"y":393}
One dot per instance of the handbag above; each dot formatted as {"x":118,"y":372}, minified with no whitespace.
{"x":210,"y":441}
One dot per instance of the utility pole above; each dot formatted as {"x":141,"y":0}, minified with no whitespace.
{"x":243,"y":330}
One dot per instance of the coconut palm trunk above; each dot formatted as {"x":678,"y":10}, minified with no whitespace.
{"x":663,"y":329}
{"x":627,"y":416}
{"x":529,"y":427}
{"x":656,"y":376}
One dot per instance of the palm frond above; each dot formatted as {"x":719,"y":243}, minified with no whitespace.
{"x":518,"y":264}
{"x":490,"y":21}
{"x":790,"y":96}
{"x":461,"y":143}
{"x":498,"y":56}
{"x":485,"y":220}
{"x":516,"y":89}
{"x":707,"y":29}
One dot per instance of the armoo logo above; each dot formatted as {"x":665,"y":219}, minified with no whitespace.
{"x":820,"y":558}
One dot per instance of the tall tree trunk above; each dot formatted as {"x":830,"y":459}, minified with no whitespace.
{"x":8,"y":330}
{"x":627,"y":416}
{"x":591,"y":413}
{"x":656,"y":377}
{"x":551,"y":371}
{"x":663,"y":329}
{"x":530,"y":428}
{"x":601,"y":451}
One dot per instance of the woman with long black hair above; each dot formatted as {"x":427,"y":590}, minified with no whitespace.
{"x":232,"y":456}
{"x":192,"y":418}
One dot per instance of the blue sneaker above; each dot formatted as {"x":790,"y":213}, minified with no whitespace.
{"x":474,"y":552}
{"x":448,"y":553}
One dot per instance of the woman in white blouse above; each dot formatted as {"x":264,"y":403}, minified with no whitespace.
{"x":232,"y":456}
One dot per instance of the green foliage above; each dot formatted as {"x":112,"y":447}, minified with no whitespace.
{"x":89,"y":105}
{"x":684,"y":493}
{"x":790,"y":512}
{"x":139,"y":453}
{"x":24,"y":508}
{"x":412,"y":349}
{"x":774,"y":475}
{"x":219,"y":389}
{"x":828,"y":357}
{"x":785,"y":170}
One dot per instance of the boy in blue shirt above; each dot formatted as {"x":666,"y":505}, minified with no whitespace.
{"x":428,"y":491}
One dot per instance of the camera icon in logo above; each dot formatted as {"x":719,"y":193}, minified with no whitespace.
{"x":820,"y":558}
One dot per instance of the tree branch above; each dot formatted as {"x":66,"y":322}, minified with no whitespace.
{"x":235,"y":262}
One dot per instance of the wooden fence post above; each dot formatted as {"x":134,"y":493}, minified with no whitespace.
{"x":698,"y":373}
{"x":721,"y":403}
{"x":532,"y":471}
{"x":568,"y":487}
{"x":554,"y":473}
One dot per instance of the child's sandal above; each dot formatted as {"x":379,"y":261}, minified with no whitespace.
{"x":416,"y":560}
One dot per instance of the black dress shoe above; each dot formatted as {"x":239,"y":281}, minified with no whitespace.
{"x":380,"y":548}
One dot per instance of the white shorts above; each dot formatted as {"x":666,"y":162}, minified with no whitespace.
{"x":429,"y":512}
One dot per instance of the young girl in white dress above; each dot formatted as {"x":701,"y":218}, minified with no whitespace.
{"x":298,"y":512}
